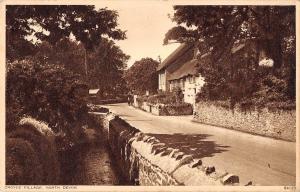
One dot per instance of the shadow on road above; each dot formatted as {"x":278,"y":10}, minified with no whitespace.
{"x":191,"y":144}
{"x":140,"y":120}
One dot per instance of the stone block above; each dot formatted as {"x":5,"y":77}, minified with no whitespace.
{"x":176,"y":153}
{"x":196,"y":163}
{"x":131,"y":140}
{"x":146,"y":137}
{"x":186,"y":159}
{"x":159,"y":150}
{"x":230,"y":179}
{"x":156,"y":145}
{"x":209,"y":170}
{"x":179,"y":155}
{"x":167,"y":151}
{"x":173,"y":152}
{"x":139,"y":136}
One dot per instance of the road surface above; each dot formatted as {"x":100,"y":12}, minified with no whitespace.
{"x":262,"y":160}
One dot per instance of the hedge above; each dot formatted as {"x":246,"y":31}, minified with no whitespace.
{"x":45,"y":150}
{"x":23,"y":166}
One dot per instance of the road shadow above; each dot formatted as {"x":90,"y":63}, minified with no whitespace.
{"x":112,"y":104}
{"x":191,"y":144}
{"x":124,"y":115}
{"x":139,"y":120}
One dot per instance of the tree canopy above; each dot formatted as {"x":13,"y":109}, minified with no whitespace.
{"x":106,"y":63}
{"x":77,"y":37}
{"x":222,"y":26}
{"x":65,"y":52}
{"x":220,"y":29}
{"x":106,"y":69}
{"x":142,"y":76}
{"x":53,"y":22}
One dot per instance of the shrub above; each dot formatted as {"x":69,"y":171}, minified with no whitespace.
{"x":175,"y":96}
{"x":162,"y":98}
{"x":46,"y":92}
{"x":177,"y":109}
{"x":44,"y":149}
{"x":22,"y":163}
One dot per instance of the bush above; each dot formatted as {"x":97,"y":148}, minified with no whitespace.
{"x":163,"y":98}
{"x":46,"y":92}
{"x":22,"y":163}
{"x":45,"y":150}
{"x":177,"y":109}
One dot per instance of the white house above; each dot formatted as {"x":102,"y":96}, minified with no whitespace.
{"x":179,"y":70}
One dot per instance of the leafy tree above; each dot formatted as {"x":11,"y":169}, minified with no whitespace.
{"x":107,"y":64}
{"x":219,"y":29}
{"x":92,"y":53}
{"x":46,"y":92}
{"x":66,"y":53}
{"x":142,"y":76}
{"x":55,"y":22}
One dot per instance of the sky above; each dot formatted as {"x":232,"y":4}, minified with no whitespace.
{"x":146,"y":23}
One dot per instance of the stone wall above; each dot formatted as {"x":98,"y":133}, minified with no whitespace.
{"x":144,"y":160}
{"x":164,"y":110}
{"x":169,"y":110}
{"x":280,"y":124}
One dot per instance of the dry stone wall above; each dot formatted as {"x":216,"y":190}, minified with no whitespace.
{"x":144,"y":160}
{"x":280,"y":124}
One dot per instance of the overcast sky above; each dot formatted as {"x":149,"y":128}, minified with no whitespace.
{"x":146,"y":23}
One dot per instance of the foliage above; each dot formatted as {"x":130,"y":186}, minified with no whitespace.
{"x":171,"y":98}
{"x":55,"y":22}
{"x":106,"y":63}
{"x":106,"y":67}
{"x":232,"y":73}
{"x":46,"y":92}
{"x":77,"y":37}
{"x":177,"y":109}
{"x":142,"y":76}
{"x":179,"y":96}
{"x":22,"y":163}
{"x":162,"y":98}
{"x":65,"y":52}
{"x":44,"y":149}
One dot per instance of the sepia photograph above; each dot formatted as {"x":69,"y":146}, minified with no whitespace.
{"x":150,"y":93}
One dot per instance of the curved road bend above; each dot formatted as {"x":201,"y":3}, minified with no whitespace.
{"x":262,"y":160}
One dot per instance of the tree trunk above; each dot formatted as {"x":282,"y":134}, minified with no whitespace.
{"x":276,"y":51}
{"x":85,"y":62}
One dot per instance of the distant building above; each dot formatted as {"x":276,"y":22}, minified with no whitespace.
{"x":179,"y":70}
{"x":93,"y":92}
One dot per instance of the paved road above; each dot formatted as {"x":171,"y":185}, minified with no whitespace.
{"x":264,"y":161}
